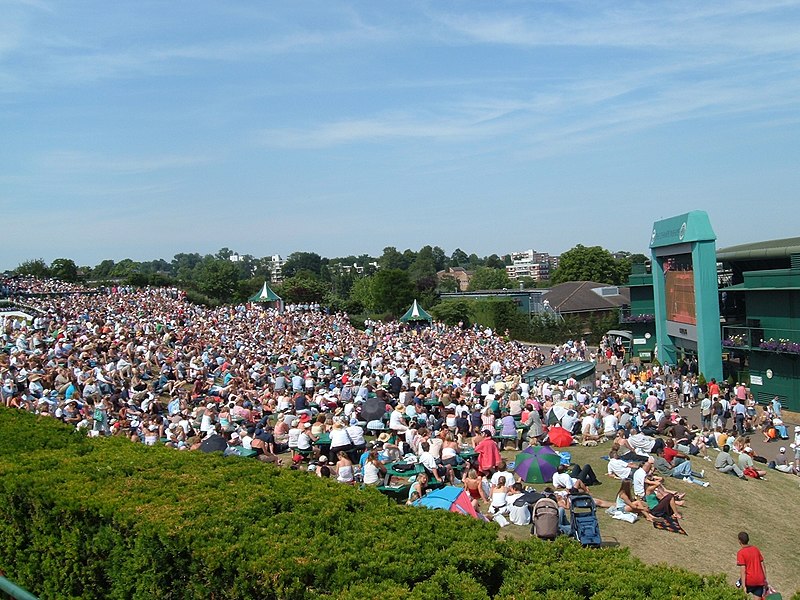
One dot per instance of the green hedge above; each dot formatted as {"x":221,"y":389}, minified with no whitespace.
{"x":107,"y":518}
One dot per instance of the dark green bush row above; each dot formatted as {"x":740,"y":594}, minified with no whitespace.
{"x":110,"y":519}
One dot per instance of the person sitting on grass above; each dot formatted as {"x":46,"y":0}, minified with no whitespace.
{"x":563,"y":481}
{"x":645,"y":483}
{"x":628,"y":503}
{"x":418,"y":488}
{"x":682,"y":470}
{"x":748,"y":466}
{"x":725,"y":464}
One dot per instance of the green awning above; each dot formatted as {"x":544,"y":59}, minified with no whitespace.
{"x":579,"y":370}
{"x":416,"y":313}
{"x":265,"y":295}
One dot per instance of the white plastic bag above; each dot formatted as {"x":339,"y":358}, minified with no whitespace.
{"x":625,"y":516}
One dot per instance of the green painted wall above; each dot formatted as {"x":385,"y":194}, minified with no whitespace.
{"x":785,"y":380}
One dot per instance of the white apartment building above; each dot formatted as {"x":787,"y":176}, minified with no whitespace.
{"x":529,"y":263}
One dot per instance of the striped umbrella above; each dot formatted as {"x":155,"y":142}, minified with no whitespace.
{"x":537,"y":464}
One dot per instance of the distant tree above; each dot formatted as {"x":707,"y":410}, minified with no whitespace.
{"x":459,"y":258}
{"x":527,"y":282}
{"x":392,"y":259}
{"x":245,"y":288}
{"x":409,"y":256}
{"x":638,"y":259}
{"x":103,"y":270}
{"x":592,"y":263}
{"x":303,"y":287}
{"x":261,"y":268}
{"x":448,"y":283}
{"x":124,"y":268}
{"x":224,"y":254}
{"x":393,"y":291}
{"x":424,"y":266}
{"x":183,"y":265}
{"x":33,"y":268}
{"x":495,"y":262}
{"x":451,"y":312}
{"x":474,"y":261}
{"x":64,"y":269}
{"x":302,"y":261}
{"x":217,"y":278}
{"x":361,"y":294}
{"x":487,"y":278}
{"x":440,"y":259}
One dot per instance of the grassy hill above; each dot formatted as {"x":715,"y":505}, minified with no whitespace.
{"x":713,"y":516}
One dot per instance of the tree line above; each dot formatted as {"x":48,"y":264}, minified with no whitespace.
{"x":379,"y":286}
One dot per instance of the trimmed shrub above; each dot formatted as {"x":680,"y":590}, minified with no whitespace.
{"x":106,"y":518}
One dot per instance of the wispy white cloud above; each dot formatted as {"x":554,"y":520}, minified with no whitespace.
{"x":682,"y":26}
{"x":71,"y":161}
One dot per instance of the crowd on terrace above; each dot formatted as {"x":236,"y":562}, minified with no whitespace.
{"x":148,"y":365}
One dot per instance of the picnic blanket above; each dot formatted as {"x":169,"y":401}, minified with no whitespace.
{"x":669,"y":525}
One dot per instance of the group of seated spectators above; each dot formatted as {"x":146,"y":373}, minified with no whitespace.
{"x":148,"y":365}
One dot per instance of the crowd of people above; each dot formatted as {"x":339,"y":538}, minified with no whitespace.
{"x":23,"y":286}
{"x":148,"y":365}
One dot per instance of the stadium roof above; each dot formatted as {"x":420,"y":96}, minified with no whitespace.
{"x":782,"y":248}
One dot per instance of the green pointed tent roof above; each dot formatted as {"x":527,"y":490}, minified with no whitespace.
{"x":265,"y":295}
{"x":416,"y":313}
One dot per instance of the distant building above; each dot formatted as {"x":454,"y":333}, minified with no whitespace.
{"x":275,"y":265}
{"x":587,"y":298}
{"x":354,"y":268}
{"x":528,"y":302}
{"x":460,"y":274}
{"x":528,"y":263}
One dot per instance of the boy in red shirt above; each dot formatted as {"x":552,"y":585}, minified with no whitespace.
{"x":753,"y":573}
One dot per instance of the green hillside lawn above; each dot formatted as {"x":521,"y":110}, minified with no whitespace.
{"x":713,"y":516}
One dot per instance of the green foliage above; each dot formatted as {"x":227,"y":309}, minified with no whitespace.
{"x":362,"y":295}
{"x":488,"y":278}
{"x":196,"y":297}
{"x":591,"y":263}
{"x":105,"y":518}
{"x":217,"y":278}
{"x":303,"y":287}
{"x":302,"y":261}
{"x":452,"y":312}
{"x":392,"y":291}
{"x":33,"y":268}
{"x":448,"y":283}
{"x":459,"y":258}
{"x":701,"y":382}
{"x":64,"y":269}
{"x":394,"y":259}
{"x":501,"y":314}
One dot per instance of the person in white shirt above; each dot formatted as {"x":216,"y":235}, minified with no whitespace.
{"x":397,"y":421}
{"x":619,"y":468}
{"x":427,"y":460}
{"x":502,"y":472}
{"x":518,"y":515}
{"x":610,"y":423}
{"x":563,"y":481}
{"x":588,"y":427}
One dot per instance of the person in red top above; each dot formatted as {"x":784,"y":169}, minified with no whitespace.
{"x":670,"y":453}
{"x":488,"y":454}
{"x":753,"y":573}
{"x":713,"y":388}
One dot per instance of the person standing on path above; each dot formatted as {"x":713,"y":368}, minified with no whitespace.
{"x":753,"y":573}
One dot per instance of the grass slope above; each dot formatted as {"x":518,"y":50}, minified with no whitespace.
{"x":712,"y":517}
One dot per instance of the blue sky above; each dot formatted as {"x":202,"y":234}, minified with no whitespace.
{"x":142,"y":129}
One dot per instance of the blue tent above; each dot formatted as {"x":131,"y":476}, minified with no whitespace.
{"x":450,"y":498}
